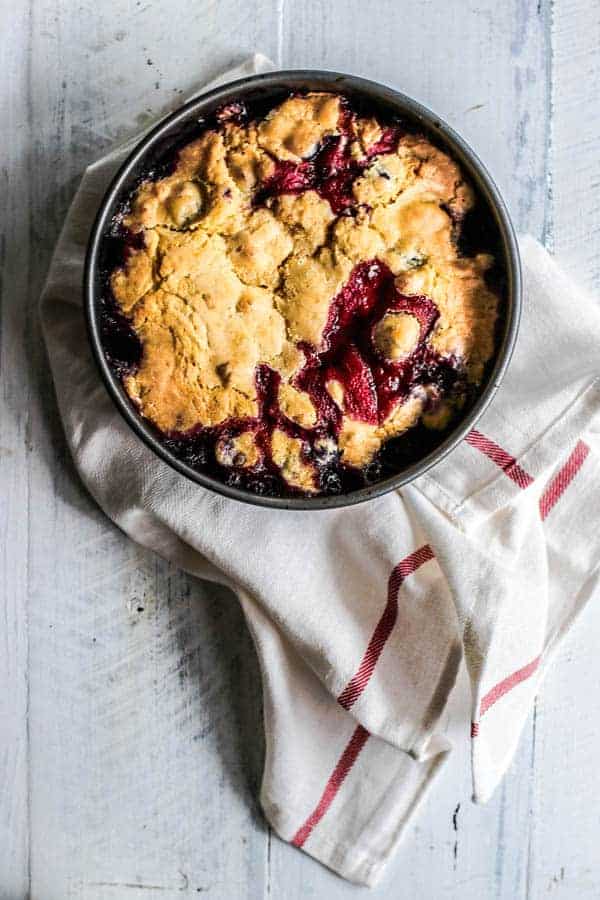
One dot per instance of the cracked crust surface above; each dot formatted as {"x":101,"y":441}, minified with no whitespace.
{"x":216,"y":285}
{"x":293,"y":130}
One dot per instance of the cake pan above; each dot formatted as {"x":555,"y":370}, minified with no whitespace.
{"x":185,"y":123}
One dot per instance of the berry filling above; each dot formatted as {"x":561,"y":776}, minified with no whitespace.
{"x":331,"y":171}
{"x":372,"y":385}
{"x":122,"y":347}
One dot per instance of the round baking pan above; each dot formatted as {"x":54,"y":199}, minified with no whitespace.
{"x":263,"y":91}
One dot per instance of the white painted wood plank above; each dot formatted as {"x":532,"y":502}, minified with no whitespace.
{"x":15,"y":445}
{"x":145,"y":709}
{"x":565,"y":825}
{"x":574,"y":158}
{"x":144,"y":726}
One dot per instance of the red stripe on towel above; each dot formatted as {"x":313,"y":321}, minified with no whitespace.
{"x":563,"y":478}
{"x":502,"y":688}
{"x":500,"y":457}
{"x":551,"y":495}
{"x":384,"y":627}
{"x":344,"y":764}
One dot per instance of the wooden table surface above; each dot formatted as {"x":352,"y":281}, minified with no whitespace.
{"x":130,"y":710}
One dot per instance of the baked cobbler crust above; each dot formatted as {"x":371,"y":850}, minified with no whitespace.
{"x":317,"y":246}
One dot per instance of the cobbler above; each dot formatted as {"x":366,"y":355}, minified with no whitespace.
{"x":293,"y":309}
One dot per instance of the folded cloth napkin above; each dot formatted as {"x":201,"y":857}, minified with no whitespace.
{"x":360,"y":616}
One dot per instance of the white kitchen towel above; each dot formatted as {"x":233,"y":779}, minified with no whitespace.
{"x":360,"y":616}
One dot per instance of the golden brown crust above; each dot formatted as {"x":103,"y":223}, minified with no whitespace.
{"x":307,"y":218}
{"x":396,"y":335}
{"x":220,"y":286}
{"x":240,"y":451}
{"x":287,"y":455}
{"x":359,"y":442}
{"x":368,"y":132}
{"x":297,"y":406}
{"x":294,"y":129}
{"x":309,"y":284}
{"x":468,"y":308}
{"x":259,"y":248}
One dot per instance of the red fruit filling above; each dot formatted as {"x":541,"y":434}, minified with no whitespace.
{"x":331,"y":171}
